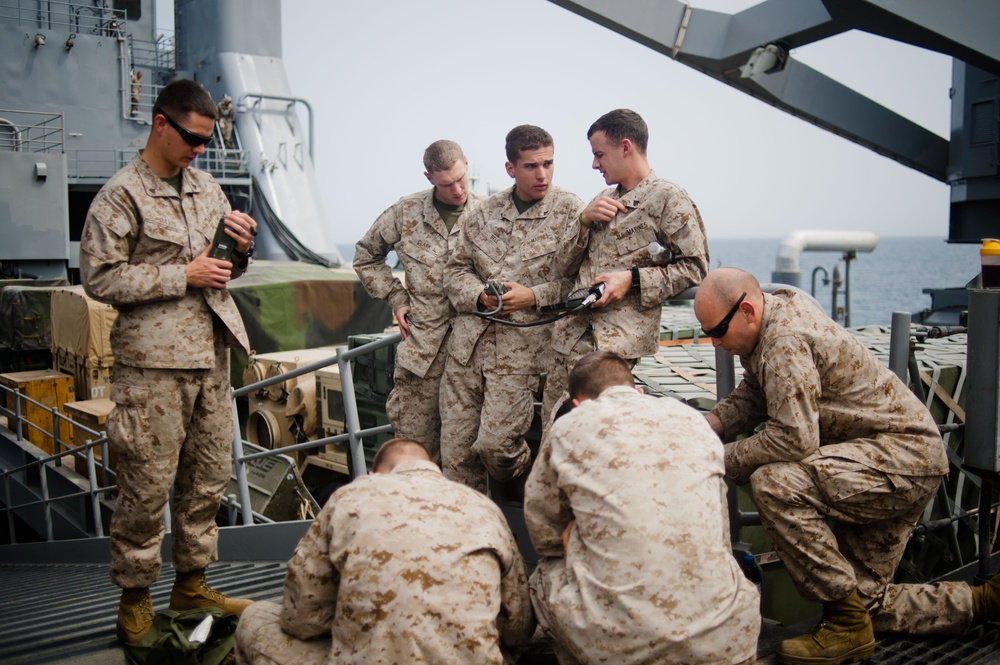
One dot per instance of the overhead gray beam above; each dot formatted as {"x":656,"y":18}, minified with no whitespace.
{"x":717,"y":44}
{"x":965,"y":30}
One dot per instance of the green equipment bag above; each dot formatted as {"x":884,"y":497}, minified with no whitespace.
{"x":168,"y":641}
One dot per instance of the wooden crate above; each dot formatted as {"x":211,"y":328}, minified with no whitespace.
{"x":49,"y":388}
{"x":93,"y":414}
{"x":92,"y":374}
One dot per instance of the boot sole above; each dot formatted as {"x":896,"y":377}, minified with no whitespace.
{"x":860,"y":653}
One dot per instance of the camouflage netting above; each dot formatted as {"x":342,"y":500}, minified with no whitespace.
{"x":288,"y":306}
{"x":25,"y":313}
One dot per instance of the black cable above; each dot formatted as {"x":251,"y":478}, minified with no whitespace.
{"x":491,"y":287}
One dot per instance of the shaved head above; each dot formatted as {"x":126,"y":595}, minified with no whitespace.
{"x":394,"y":452}
{"x":725,"y":286}
{"x":729,"y":306}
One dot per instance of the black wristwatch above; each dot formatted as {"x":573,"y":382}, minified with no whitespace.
{"x":243,"y":256}
{"x":635,"y":277}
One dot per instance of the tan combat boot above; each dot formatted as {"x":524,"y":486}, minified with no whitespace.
{"x":135,"y":615}
{"x":844,"y":635}
{"x":986,"y":601}
{"x":191,"y":591}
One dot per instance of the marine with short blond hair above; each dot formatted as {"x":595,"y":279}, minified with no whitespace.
{"x":422,"y":229}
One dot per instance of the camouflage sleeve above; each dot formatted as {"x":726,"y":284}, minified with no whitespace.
{"x":461,"y":282}
{"x":546,"y":507}
{"x":369,"y":260}
{"x":791,"y":384}
{"x":743,"y":409}
{"x":684,"y":233}
{"x":311,"y":584}
{"x":109,"y":235}
{"x":516,"y":621}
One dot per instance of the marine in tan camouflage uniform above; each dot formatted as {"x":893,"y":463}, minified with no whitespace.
{"x":846,"y":462}
{"x":402,"y":566}
{"x":643,"y":208}
{"x":626,"y":503}
{"x":144,"y":250}
{"x":526,"y":237}
{"x":422,"y":229}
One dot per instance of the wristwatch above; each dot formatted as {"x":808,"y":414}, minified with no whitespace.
{"x":243,"y":256}
{"x":635,"y":277}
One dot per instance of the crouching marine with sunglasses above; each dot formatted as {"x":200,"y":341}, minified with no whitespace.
{"x":145,"y":250}
{"x":841,"y":471}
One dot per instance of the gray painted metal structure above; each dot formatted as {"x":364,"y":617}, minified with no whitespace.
{"x":73,"y":112}
{"x":724,"y":45}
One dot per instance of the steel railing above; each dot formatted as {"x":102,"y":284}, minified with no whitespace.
{"x":96,"y":489}
{"x":80,"y":17}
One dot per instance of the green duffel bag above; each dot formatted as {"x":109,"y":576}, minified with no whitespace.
{"x":168,"y":642}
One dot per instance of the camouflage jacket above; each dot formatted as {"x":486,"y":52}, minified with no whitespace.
{"x":138,"y":238}
{"x":537,"y":248}
{"x":647,"y":575}
{"x":820,"y":391}
{"x":658,"y":211}
{"x":409,"y":567}
{"x":413,"y":228}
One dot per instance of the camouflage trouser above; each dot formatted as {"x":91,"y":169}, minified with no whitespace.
{"x":559,"y":622}
{"x":169,"y":427}
{"x":413,"y":407}
{"x":484,"y":416}
{"x":872,"y":515}
{"x":557,"y":377}
{"x":260,"y":640}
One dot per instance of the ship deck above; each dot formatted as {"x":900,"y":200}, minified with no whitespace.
{"x":58,"y":605}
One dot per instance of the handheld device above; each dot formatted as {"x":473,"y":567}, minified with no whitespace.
{"x":222,"y":244}
{"x":578,"y":299}
{"x":494,"y":288}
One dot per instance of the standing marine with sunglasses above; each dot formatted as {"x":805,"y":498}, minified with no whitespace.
{"x":841,"y":471}
{"x":145,"y":250}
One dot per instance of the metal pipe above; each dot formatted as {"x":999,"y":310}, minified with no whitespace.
{"x":826,"y":278}
{"x":985,"y":501}
{"x":46,"y":506}
{"x":899,"y":344}
{"x":95,"y":502}
{"x":241,"y":472}
{"x":10,"y":510}
{"x":358,"y":465}
{"x":848,"y":257}
{"x":725,"y":373}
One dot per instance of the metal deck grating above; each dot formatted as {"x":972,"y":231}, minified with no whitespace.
{"x":62,"y":613}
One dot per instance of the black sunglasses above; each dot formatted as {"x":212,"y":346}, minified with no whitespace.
{"x":192,"y":139}
{"x":723,"y":327}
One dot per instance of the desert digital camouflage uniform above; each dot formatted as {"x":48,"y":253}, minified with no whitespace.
{"x":648,"y":575}
{"x":492,"y":371}
{"x":173,"y":410}
{"x":400,"y":567}
{"x":414,"y":229}
{"x":658,"y":211}
{"x":844,"y":440}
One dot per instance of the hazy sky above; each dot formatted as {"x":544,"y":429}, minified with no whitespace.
{"x":387,"y":78}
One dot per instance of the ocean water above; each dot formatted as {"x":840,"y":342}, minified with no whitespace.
{"x":889,"y":279}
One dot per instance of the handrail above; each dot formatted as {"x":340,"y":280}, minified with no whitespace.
{"x":97,"y":488}
{"x":353,"y":436}
{"x":292,"y":101}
